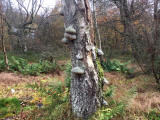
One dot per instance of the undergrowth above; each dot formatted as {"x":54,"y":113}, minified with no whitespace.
{"x":153,"y":115}
{"x":68,"y":75}
{"x":22,"y":66}
{"x":116,"y":65}
{"x":9,"y":107}
{"x":51,"y":100}
{"x":56,"y":102}
{"x":56,"y":105}
{"x":113,"y":109}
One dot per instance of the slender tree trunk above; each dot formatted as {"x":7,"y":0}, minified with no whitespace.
{"x":4,"y":49}
{"x":98,"y":36}
{"x":155,"y":44}
{"x":125,"y":39}
{"x":2,"y":40}
{"x":85,"y":83}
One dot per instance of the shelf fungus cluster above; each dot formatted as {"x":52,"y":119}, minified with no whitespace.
{"x":65,"y":41}
{"x":79,"y":70}
{"x":69,"y":35}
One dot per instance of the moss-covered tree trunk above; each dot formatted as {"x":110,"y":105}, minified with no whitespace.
{"x":85,"y":80}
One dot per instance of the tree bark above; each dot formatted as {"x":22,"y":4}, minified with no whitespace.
{"x":4,"y":48}
{"x":2,"y":38}
{"x":156,"y":42}
{"x":85,"y":85}
{"x":97,"y":31}
{"x":98,"y":36}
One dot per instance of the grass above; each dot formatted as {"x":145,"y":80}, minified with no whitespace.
{"x":146,"y":99}
{"x":126,"y":102}
{"x":46,"y":97}
{"x":9,"y":107}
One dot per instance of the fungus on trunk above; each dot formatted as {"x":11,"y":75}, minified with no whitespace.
{"x":65,"y":40}
{"x":78,"y":70}
{"x":86,"y":85}
{"x":70,"y":36}
{"x":70,"y":30}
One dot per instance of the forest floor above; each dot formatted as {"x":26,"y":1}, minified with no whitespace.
{"x":145,"y":98}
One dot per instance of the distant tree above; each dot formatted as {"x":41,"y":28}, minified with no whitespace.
{"x":2,"y":34}
{"x":155,"y":43}
{"x":20,"y":21}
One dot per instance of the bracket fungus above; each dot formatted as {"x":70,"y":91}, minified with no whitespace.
{"x":105,"y":81}
{"x":70,"y":30}
{"x":70,"y":36}
{"x":100,"y":52}
{"x":65,"y":40}
{"x":78,"y":70}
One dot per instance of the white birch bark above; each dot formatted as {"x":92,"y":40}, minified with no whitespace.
{"x":85,"y":90}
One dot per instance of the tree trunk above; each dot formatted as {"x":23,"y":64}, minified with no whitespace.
{"x":4,"y":51}
{"x":98,"y":36}
{"x":85,"y":82}
{"x":2,"y":38}
{"x":125,"y":39}
{"x":156,"y":43}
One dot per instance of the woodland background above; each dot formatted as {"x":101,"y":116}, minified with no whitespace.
{"x":34,"y":60}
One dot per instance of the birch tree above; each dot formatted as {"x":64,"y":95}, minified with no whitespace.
{"x":87,"y":75}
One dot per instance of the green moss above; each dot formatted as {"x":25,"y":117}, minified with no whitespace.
{"x":99,"y":69}
{"x":100,"y":76}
